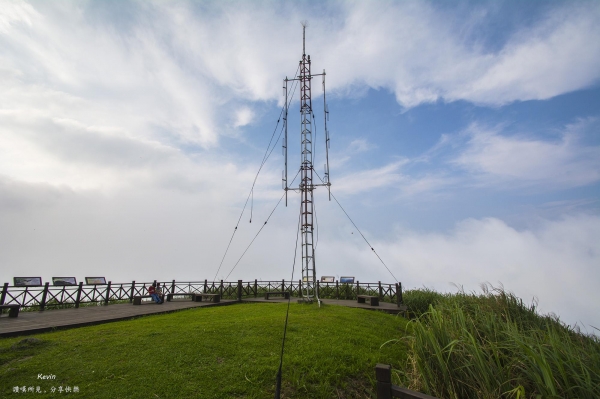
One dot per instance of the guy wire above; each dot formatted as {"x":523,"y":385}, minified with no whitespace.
{"x":287,"y":313}
{"x":265,"y":158}
{"x":360,"y":232}
{"x":261,"y":228}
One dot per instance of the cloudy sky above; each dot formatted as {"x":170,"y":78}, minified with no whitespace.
{"x":465,"y":142}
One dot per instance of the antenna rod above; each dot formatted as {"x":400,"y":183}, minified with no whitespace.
{"x":304,"y":23}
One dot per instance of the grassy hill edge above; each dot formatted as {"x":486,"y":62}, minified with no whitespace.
{"x":220,"y":352}
{"x":461,"y":345}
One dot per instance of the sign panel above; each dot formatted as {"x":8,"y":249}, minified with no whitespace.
{"x":328,"y":279}
{"x":64,"y":281}
{"x":95,"y":280}
{"x":346,"y":279}
{"x":27,"y":281}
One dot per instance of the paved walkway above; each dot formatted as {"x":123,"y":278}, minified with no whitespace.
{"x":38,"y":322}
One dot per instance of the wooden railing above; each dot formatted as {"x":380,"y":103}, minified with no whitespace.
{"x":47,"y":296}
{"x":386,"y":390}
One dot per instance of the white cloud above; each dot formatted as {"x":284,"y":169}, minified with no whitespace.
{"x":369,"y":179}
{"x":172,"y":71}
{"x":556,"y":262}
{"x":66,"y":153}
{"x":390,"y":176}
{"x":360,"y":145}
{"x":424,"y":54}
{"x":66,"y":65}
{"x":522,"y":160}
{"x":140,"y":232}
{"x":559,"y":257}
{"x":539,"y":63}
{"x":243,"y":116}
{"x":339,"y":159}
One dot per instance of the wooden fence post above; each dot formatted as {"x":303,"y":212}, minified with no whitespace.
{"x":132,"y":293}
{"x":44,"y":294}
{"x":221,"y":289}
{"x":173,"y":287}
{"x":78,"y":299}
{"x":385,"y":389}
{"x":357,"y":289}
{"x":255,"y":288}
{"x":383,"y":374}
{"x":239,"y":291}
{"x":205,"y":285}
{"x":4,"y":291}
{"x":107,"y":297}
{"x":380,"y":292}
{"x":337,"y":290}
{"x":300,"y":289}
{"x":399,"y":294}
{"x":282,"y":285}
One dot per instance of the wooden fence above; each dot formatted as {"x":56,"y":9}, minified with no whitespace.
{"x":386,"y":390}
{"x":48,"y":296}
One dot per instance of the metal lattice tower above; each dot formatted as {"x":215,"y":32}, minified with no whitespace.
{"x":307,"y":185}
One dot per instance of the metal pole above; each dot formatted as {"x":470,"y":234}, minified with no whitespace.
{"x":306,"y":175}
{"x":325,"y":118}
{"x":285,"y":142}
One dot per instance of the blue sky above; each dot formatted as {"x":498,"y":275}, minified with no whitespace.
{"x":465,"y":142}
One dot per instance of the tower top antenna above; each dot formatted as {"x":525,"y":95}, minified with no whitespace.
{"x":304,"y":25}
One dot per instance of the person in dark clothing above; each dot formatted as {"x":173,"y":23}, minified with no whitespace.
{"x":154,"y":294}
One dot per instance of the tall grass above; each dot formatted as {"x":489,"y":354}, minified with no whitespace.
{"x":418,"y":301}
{"x":494,"y":346}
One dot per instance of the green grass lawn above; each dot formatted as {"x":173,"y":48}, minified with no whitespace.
{"x":218,"y":352}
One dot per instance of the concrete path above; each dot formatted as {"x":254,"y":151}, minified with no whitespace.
{"x":49,"y":320}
